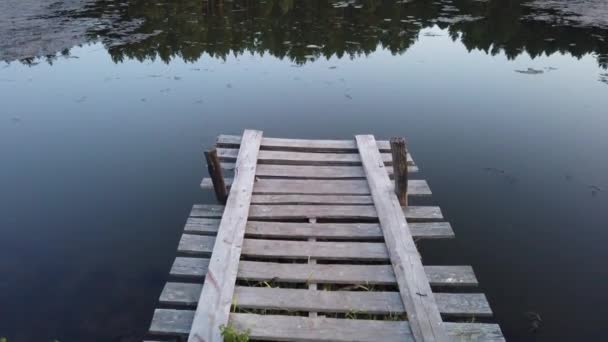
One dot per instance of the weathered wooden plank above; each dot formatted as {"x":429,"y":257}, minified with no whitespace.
{"x":304,"y":158}
{"x":216,"y":296}
{"x":371,"y":251}
{"x":276,"y":327}
{"x":302,"y":145}
{"x":279,"y":212}
{"x":311,"y":199}
{"x":350,"y":274}
{"x":256,"y":212}
{"x":193,"y":268}
{"x":371,"y":302}
{"x":417,"y":187}
{"x":198,"y":225}
{"x":174,"y":322}
{"x":414,"y":287}
{"x":196,"y":268}
{"x":196,"y":244}
{"x":312,"y":171}
{"x":171,"y":322}
{"x":349,"y":231}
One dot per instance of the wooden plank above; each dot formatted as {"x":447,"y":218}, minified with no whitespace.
{"x":369,"y":302}
{"x":349,"y":274}
{"x":216,"y":296}
{"x":302,"y":145}
{"x":334,"y":231}
{"x":174,"y":322}
{"x":196,"y":268}
{"x":311,"y":199}
{"x":337,"y":231}
{"x":304,"y":158}
{"x":198,"y":225}
{"x":418,"y":187}
{"x":370,"y":251}
{"x":196,"y":244}
{"x":192,"y":268}
{"x":281,"y":212}
{"x":276,"y":327}
{"x":312,"y":171}
{"x":257,"y":212}
{"x":414,"y":287}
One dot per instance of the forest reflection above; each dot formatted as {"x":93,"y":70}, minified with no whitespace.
{"x":302,"y":31}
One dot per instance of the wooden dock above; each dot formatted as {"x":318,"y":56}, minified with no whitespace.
{"x":315,"y":241}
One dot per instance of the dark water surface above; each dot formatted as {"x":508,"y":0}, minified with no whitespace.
{"x":504,"y":104}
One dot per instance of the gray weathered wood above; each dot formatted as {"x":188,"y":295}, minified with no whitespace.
{"x":196,"y":268}
{"x":192,"y":268}
{"x":205,"y":226}
{"x":216,"y":297}
{"x":414,"y":288}
{"x":399,"y":154}
{"x":342,"y":231}
{"x":280,"y":212}
{"x":196,"y":244}
{"x":370,"y":302}
{"x":174,"y":322}
{"x":304,"y":158}
{"x":256,"y":212}
{"x":217,"y":177}
{"x":319,"y":250}
{"x":302,"y":145}
{"x":334,"y":231}
{"x":416,"y":187}
{"x":313,"y":171}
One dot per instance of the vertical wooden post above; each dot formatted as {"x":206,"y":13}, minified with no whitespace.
{"x":215,"y":172}
{"x":399,"y":153}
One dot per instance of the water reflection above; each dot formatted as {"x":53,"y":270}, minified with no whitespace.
{"x":307,"y":30}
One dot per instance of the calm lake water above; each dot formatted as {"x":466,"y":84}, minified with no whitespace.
{"x":504,"y":104}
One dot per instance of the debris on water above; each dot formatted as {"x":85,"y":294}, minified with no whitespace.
{"x":333,"y":67}
{"x":550,"y":68}
{"x":177,"y":78}
{"x":534,"y":320}
{"x":143,"y":99}
{"x":81,"y":99}
{"x":348,"y":96}
{"x":569,"y":177}
{"x":15,"y":119}
{"x":198,"y":101}
{"x":530,"y":71}
{"x":228,"y":85}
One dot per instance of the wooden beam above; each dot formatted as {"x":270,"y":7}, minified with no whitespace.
{"x":399,"y":153}
{"x":216,"y":297}
{"x":217,"y":177}
{"x":414,"y":288}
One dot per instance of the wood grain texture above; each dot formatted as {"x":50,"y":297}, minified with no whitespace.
{"x":414,"y":287}
{"x":281,"y":249}
{"x":342,"y":231}
{"x":268,"y":186}
{"x":370,"y":302}
{"x":304,"y":158}
{"x":277,"y":212}
{"x":173,"y":322}
{"x":217,"y":293}
{"x":448,"y":276}
{"x":334,"y":231}
{"x":312,"y":171}
{"x":302,"y":145}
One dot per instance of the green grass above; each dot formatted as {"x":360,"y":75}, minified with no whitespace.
{"x":230,"y":334}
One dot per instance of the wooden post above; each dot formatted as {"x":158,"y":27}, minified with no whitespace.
{"x":399,"y":153}
{"x":215,"y":172}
